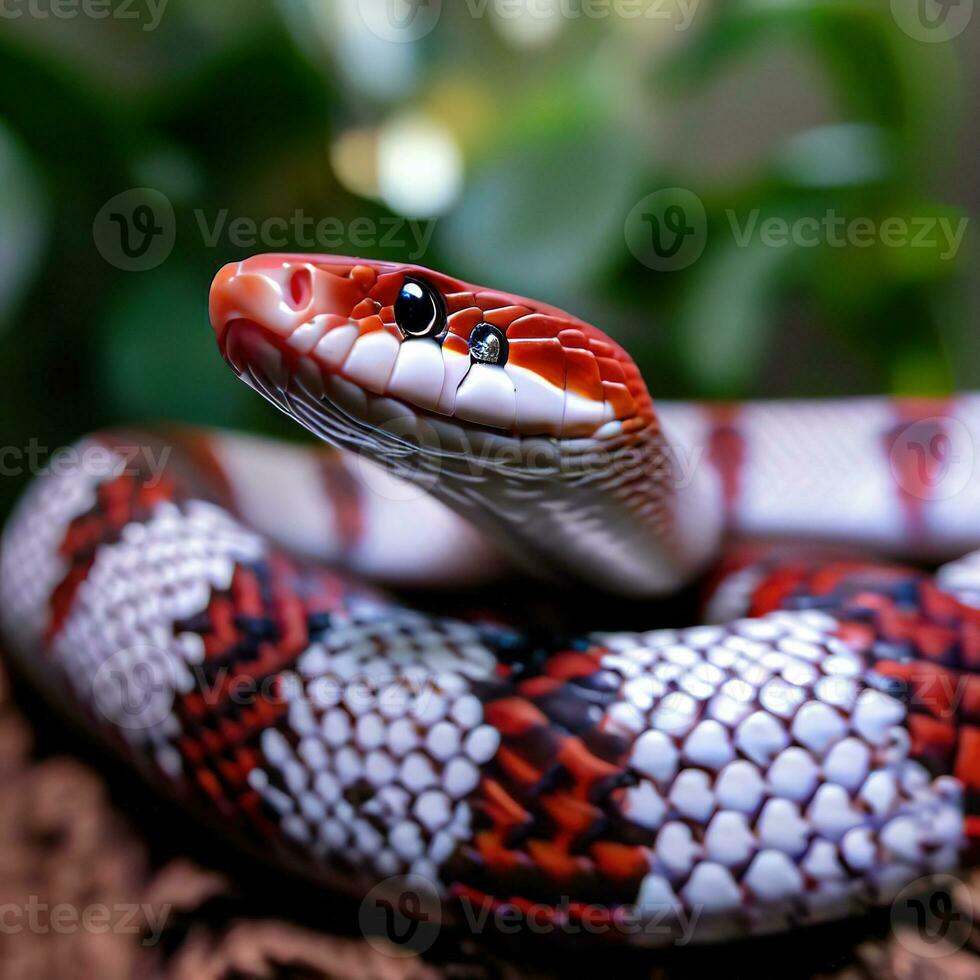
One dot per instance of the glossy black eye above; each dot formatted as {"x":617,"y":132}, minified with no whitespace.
{"x":419,"y":310}
{"x":488,"y":345}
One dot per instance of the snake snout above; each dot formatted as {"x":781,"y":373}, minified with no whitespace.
{"x":283,"y":294}
{"x":279,"y":297}
{"x":220,"y":301}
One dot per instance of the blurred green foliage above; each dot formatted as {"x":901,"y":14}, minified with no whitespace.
{"x":244,"y":107}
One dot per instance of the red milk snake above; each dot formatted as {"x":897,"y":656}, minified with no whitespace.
{"x":802,"y":760}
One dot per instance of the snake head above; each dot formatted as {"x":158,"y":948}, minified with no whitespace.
{"x":520,"y":417}
{"x":355,"y":331}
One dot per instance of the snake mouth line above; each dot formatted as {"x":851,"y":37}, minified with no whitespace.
{"x":432,"y":374}
{"x":337,"y":409}
{"x":340,"y":412}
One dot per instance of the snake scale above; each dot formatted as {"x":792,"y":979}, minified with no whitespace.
{"x":802,"y":754}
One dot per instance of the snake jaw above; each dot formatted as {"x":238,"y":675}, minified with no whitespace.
{"x":487,"y":359}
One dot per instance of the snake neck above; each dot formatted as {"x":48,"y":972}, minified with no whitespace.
{"x":631,"y":511}
{"x":632,"y":515}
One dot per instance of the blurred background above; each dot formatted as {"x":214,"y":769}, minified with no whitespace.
{"x":551,"y":147}
{"x":757,"y":197}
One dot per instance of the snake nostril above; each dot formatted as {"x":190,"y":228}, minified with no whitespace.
{"x":300,"y":289}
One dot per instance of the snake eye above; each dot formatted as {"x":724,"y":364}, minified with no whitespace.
{"x":419,"y":310}
{"x":488,"y":344}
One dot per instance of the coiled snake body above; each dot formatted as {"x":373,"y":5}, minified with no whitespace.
{"x":805,"y":756}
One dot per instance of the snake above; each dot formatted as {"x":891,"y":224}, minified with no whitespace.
{"x":265,"y":629}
